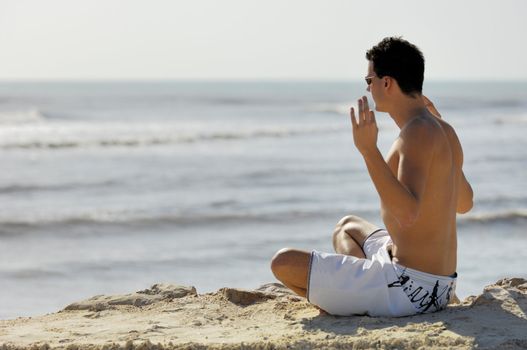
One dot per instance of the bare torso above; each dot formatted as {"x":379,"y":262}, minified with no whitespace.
{"x":430,"y":243}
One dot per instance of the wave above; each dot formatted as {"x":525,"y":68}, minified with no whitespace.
{"x":511,"y":120}
{"x":497,"y":200}
{"x":28,"y":225}
{"x":16,"y":188}
{"x":25,"y":116}
{"x":495,"y":217}
{"x":10,"y":225}
{"x":336,"y":108}
{"x":32,"y":273}
{"x":478,"y":103}
{"x":138,"y":136}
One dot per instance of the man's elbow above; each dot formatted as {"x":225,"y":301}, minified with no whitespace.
{"x":466,"y":199}
{"x":464,"y":207}
{"x":465,"y":204}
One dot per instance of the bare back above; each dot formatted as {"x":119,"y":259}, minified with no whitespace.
{"x":429,"y":244}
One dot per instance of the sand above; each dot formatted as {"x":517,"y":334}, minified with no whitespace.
{"x":176,"y":317}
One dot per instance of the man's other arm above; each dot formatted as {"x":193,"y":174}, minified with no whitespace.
{"x":465,"y":194}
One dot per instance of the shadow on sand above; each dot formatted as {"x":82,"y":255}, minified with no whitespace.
{"x":495,"y":319}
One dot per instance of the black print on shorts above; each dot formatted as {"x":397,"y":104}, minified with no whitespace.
{"x":422,"y":299}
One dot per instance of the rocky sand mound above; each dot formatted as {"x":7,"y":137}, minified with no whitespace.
{"x":176,"y":317}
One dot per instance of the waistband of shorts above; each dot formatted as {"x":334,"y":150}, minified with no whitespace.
{"x":424,"y":276}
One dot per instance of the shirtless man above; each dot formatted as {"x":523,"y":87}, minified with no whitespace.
{"x":409,"y":267}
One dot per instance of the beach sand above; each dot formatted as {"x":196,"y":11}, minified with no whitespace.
{"x":176,"y":317}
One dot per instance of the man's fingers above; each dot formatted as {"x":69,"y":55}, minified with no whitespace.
{"x":366,"y":108}
{"x":361,"y":112}
{"x":430,"y":106}
{"x":427,"y":101}
{"x":353,"y":121}
{"x":372,"y":117}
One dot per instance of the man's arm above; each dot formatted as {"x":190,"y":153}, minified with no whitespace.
{"x":400,"y":195}
{"x":465,"y":196}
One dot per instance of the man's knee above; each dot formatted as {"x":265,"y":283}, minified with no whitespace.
{"x":280,"y":262}
{"x":349,"y":219}
{"x":347,"y":225}
{"x":353,"y":226}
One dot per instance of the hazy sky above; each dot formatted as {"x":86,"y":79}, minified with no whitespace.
{"x":245,"y":39}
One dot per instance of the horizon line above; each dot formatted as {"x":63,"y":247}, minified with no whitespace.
{"x":241,"y":80}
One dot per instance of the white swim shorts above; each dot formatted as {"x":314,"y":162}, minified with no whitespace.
{"x":376,"y":286}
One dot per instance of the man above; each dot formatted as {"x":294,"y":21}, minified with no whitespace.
{"x":410,"y":267}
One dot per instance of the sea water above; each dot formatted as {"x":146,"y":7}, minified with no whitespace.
{"x":110,"y":187}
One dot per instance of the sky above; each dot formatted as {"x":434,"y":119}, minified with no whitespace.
{"x":255,"y":40}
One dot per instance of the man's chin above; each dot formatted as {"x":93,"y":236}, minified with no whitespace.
{"x":378,"y":109}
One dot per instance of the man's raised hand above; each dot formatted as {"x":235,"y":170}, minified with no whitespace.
{"x":431,"y":108}
{"x":365,"y":130}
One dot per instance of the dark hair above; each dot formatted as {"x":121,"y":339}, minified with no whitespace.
{"x":401,"y":60}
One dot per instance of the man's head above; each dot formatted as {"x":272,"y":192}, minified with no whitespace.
{"x":395,"y":59}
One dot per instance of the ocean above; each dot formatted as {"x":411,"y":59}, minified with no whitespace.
{"x":110,"y":187}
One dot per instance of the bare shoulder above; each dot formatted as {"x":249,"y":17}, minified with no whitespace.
{"x":424,"y":137}
{"x":422,"y":134}
{"x":423,"y":125}
{"x":453,"y":141}
{"x":447,"y":128}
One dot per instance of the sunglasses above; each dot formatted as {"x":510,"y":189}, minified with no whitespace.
{"x":369,"y":79}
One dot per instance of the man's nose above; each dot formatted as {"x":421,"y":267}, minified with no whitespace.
{"x":368,"y":88}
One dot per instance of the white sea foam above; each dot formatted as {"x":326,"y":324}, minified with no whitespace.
{"x":497,"y":216}
{"x":21,"y":116}
{"x":336,"y":108}
{"x":511,"y":119}
{"x":46,"y":218}
{"x":131,"y":217}
{"x":68,"y":134}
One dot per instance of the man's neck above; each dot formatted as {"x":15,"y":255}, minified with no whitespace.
{"x":406,"y":109}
